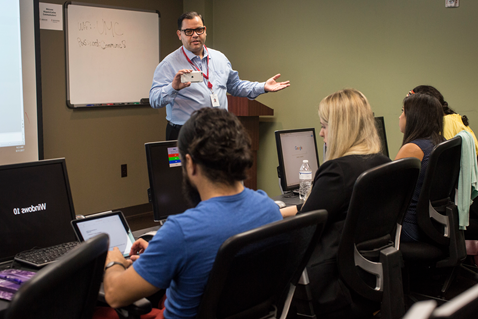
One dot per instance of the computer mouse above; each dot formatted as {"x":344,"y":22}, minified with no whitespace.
{"x":280,"y":203}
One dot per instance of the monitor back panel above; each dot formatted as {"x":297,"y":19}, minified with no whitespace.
{"x":380,"y":124}
{"x":36,"y":206}
{"x":165,"y":179}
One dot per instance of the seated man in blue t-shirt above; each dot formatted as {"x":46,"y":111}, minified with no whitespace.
{"x":215,"y":153}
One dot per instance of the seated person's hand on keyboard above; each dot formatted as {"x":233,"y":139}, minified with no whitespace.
{"x":117,"y":256}
{"x":138,"y":248}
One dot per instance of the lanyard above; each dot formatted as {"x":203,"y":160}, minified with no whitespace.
{"x":209,"y":84}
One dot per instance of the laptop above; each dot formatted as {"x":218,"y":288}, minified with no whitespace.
{"x":112,"y":223}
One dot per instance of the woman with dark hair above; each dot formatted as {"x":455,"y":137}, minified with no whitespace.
{"x":421,"y":123}
{"x":453,"y":123}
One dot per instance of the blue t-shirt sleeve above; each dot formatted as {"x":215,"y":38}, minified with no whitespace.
{"x":161,"y":262}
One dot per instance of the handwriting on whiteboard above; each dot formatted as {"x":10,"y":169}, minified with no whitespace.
{"x":101,"y":44}
{"x":94,"y":32}
{"x":103,"y":27}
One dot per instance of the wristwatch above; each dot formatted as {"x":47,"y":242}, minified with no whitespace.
{"x":112,"y":263}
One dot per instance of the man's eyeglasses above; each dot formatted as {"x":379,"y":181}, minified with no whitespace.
{"x":190,"y":32}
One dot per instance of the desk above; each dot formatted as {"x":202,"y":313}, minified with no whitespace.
{"x":288,"y":199}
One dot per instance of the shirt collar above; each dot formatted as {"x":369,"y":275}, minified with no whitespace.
{"x":191,"y":55}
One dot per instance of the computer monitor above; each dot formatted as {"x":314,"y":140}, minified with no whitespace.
{"x":380,"y":124}
{"x":36,"y":206}
{"x":294,"y":146}
{"x":165,"y":180}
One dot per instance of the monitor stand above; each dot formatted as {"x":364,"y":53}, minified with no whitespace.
{"x":291,"y":194}
{"x":289,"y":198}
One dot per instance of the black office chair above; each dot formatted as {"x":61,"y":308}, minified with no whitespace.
{"x":67,"y":288}
{"x":253,"y":271}
{"x":133,"y":311}
{"x":368,"y":257}
{"x":463,"y":306}
{"x":437,"y":215}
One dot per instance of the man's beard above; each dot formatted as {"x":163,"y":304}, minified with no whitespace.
{"x":190,"y":192}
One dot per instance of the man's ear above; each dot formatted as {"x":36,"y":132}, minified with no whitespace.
{"x":178,"y":32}
{"x":191,"y":167}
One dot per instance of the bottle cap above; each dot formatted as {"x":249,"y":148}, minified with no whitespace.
{"x":305,"y":161}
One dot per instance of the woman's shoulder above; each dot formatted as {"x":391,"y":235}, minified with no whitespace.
{"x":452,"y":125}
{"x":421,"y":143}
{"x":348,"y":162}
{"x":452,"y":118}
{"x":354,"y":158}
{"x":412,"y":149}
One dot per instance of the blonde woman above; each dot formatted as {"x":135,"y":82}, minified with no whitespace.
{"x":353,"y":146}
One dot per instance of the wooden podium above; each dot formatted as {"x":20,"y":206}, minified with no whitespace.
{"x":248,"y":112}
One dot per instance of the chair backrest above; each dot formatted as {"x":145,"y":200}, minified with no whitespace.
{"x":67,"y":288}
{"x":437,"y":191}
{"x":379,"y":201}
{"x":253,"y":269}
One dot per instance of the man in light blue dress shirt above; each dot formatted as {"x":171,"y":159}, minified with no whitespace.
{"x":181,"y":99}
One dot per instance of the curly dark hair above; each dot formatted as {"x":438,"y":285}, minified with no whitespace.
{"x":430,"y":90}
{"x":216,"y":140}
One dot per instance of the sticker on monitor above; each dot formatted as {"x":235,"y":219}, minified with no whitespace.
{"x":173,"y":156}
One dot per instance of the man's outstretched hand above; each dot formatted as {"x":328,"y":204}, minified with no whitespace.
{"x":273,"y":86}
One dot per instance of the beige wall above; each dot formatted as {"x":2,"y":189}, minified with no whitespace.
{"x":383,"y":48}
{"x":204,"y":8}
{"x":95,"y":142}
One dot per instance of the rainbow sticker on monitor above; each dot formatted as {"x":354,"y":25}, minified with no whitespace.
{"x":173,"y":155}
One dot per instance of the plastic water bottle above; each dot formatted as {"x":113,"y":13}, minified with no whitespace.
{"x":305,"y":178}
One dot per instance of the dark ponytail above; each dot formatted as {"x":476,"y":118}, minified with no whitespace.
{"x":430,"y":90}
{"x":446,"y":109}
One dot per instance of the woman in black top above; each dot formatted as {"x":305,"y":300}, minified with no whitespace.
{"x":421,"y":123}
{"x":353,"y":146}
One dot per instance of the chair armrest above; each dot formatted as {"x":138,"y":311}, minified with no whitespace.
{"x":134,"y":310}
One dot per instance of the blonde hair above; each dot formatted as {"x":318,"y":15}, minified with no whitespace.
{"x":350,"y":124}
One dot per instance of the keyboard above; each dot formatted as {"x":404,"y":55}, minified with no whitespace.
{"x":44,"y":256}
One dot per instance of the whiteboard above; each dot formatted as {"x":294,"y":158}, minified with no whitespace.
{"x":111,"y":55}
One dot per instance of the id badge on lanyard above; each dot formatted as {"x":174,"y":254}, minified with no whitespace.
{"x":214,"y":100}
{"x":214,"y":97}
